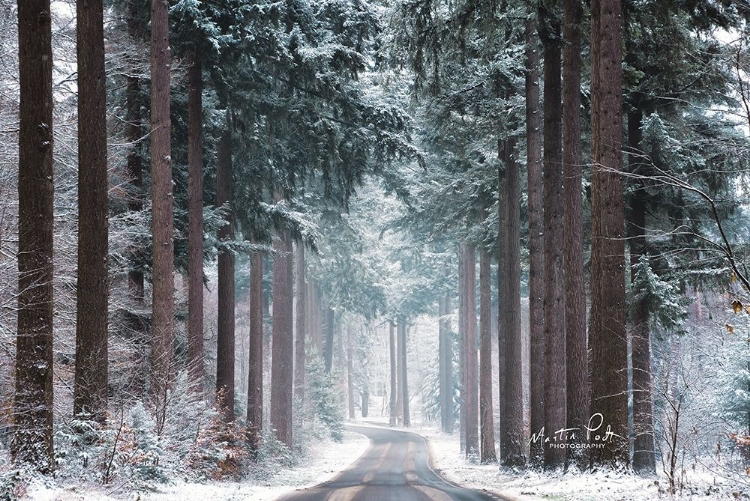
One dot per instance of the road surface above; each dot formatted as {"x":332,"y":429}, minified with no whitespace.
{"x":394,"y":468}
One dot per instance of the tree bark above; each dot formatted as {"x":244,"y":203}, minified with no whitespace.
{"x":608,"y":341}
{"x":536,"y":235}
{"x":487,"y":453}
{"x":134,"y":134}
{"x":330,"y":324}
{"x":446,"y":366}
{"x":282,"y":352}
{"x":462,"y":323}
{"x":300,"y":342}
{"x":162,"y":206}
{"x":403,"y":384}
{"x":226,"y":305}
{"x":554,"y":299}
{"x":472,"y":403}
{"x":393,"y":401}
{"x":195,"y":225}
{"x":513,"y":439}
{"x":255,"y":365}
{"x":577,"y":383}
{"x":90,"y":386}
{"x":32,"y":404}
{"x":644,"y":460}
{"x":350,"y":371}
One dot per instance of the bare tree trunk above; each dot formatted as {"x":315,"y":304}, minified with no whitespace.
{"x":195,"y":225}
{"x":255,"y":365}
{"x":608,"y":341}
{"x":32,"y":404}
{"x":350,"y":370}
{"x":644,"y":460}
{"x":554,"y":298}
{"x":393,"y":403}
{"x":226,"y":306}
{"x":536,"y":235}
{"x":90,"y":390}
{"x":462,"y":327}
{"x":134,"y":134}
{"x":330,"y":324}
{"x":162,"y":206}
{"x":502,"y":289}
{"x":299,"y":346}
{"x":403,"y":382}
{"x":472,"y":393}
{"x":513,"y":440}
{"x":577,"y":383}
{"x":446,"y":366}
{"x":487,"y":452}
{"x":282,"y":361}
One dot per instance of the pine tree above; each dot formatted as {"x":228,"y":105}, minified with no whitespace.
{"x":255,"y":364}
{"x":92,"y":291}
{"x":32,"y":403}
{"x":162,"y":203}
{"x":226,"y":305}
{"x":487,"y":452}
{"x":282,"y":351}
{"x":577,"y":384}
{"x":512,"y":441}
{"x":300,"y":342}
{"x":554,"y":297}
{"x":608,"y":343}
{"x":536,"y":232}
{"x":195,"y":223}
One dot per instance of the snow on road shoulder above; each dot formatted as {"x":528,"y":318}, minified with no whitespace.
{"x":325,"y":460}
{"x":525,"y":485}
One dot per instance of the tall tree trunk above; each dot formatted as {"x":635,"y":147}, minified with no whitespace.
{"x":90,"y":389}
{"x":195,"y":225}
{"x":462,"y":323}
{"x":330,"y":325}
{"x":472,"y":393}
{"x":644,"y":460}
{"x":162,"y":206}
{"x":446,"y":366}
{"x":300,"y":343}
{"x":134,"y":134}
{"x":403,"y":384}
{"x":554,"y":299}
{"x":32,"y":404}
{"x":502,"y":289}
{"x":226,"y":305}
{"x":577,"y":383}
{"x":513,"y":440}
{"x":536,"y":235}
{"x":282,"y":354}
{"x":487,"y":452}
{"x":393,"y":401}
{"x":255,"y":365}
{"x":350,"y":370}
{"x":608,"y":341}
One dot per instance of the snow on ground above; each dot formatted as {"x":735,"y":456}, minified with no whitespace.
{"x":326,"y":459}
{"x":600,"y":486}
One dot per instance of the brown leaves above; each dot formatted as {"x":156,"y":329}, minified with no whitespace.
{"x":736,"y":306}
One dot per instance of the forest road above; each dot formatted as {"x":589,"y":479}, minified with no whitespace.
{"x":394,"y":468}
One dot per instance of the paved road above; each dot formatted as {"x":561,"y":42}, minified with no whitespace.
{"x":394,"y":468}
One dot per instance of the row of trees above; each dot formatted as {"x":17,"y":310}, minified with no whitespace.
{"x":256,"y":122}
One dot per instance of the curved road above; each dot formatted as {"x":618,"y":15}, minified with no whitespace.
{"x":394,"y":468}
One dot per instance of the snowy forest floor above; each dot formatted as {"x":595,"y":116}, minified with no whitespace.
{"x":529,"y":485}
{"x":325,"y":459}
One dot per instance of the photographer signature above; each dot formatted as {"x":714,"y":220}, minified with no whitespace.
{"x":591,"y":430}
